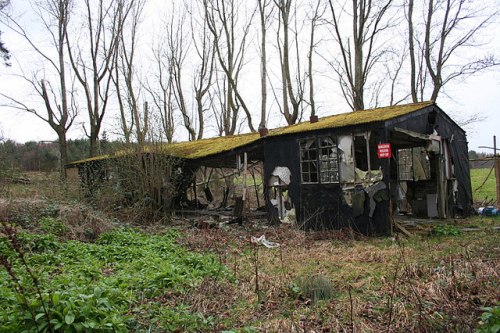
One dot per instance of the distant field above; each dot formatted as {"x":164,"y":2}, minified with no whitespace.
{"x":487,"y":191}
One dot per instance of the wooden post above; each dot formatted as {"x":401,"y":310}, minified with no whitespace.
{"x":496,"y":159}
{"x":497,"y":169}
{"x":245,"y":174}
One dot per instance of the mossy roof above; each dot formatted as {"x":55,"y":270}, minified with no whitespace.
{"x":352,"y":118}
{"x":207,"y":147}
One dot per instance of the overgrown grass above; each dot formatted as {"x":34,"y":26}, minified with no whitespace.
{"x":487,"y":192}
{"x":45,"y":185}
{"x":194,"y":280}
{"x":114,"y":284}
{"x":434,"y":282}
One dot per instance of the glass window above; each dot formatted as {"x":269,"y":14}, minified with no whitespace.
{"x":309,"y":160}
{"x":318,"y":160}
{"x":329,"y":169}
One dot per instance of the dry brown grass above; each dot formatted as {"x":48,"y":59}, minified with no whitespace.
{"x":417,"y":285}
{"x":81,"y":222}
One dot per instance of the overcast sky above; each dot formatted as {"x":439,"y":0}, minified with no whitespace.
{"x":478,"y":95}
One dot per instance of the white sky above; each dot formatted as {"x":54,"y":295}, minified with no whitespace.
{"x":478,"y":95}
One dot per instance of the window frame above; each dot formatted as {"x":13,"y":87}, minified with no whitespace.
{"x":332,"y":160}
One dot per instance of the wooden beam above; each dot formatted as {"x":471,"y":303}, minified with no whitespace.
{"x":412,"y":134}
{"x":497,"y":169}
{"x":402,"y":229}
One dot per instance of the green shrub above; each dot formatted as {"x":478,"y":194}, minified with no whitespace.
{"x":446,"y":230}
{"x":98,"y":286}
{"x":490,"y":320}
{"x":73,"y":310}
{"x":53,"y":226}
{"x":37,"y":242}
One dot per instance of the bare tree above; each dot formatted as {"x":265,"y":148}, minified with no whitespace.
{"x":93,"y":56}
{"x":125,"y":79}
{"x":223,"y":18}
{"x":204,"y":69}
{"x":162,"y":93}
{"x":294,"y":96}
{"x":359,"y":52}
{"x":264,"y":16}
{"x":59,"y":101}
{"x":4,"y":52}
{"x":177,"y":51}
{"x":318,"y":12}
{"x":447,"y":29}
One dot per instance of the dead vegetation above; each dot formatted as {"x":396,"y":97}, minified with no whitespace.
{"x":76,"y":221}
{"x":423,"y":284}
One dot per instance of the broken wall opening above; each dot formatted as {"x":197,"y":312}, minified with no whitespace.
{"x":279,"y":196}
{"x":226,"y":192}
{"x":416,"y":182}
{"x":423,"y":180}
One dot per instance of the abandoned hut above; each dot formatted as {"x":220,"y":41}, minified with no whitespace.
{"x":356,"y":169}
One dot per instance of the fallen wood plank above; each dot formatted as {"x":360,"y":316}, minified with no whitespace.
{"x":402,"y":229}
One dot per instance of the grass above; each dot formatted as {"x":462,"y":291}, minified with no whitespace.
{"x":487,"y":192}
{"x":438,"y":283}
{"x":100,"y":275}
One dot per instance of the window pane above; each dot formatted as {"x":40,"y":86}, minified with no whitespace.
{"x":328,"y":159}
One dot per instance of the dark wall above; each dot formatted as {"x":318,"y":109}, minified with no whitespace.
{"x":321,"y":206}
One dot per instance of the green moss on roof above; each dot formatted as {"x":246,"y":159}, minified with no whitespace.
{"x":90,"y":159}
{"x":352,"y":118}
{"x":202,"y":148}
{"x":206,"y":147}
{"x":188,"y":150}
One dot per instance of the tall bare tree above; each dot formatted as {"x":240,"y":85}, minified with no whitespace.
{"x":92,"y":58}
{"x":445,"y":31}
{"x":4,"y":52}
{"x":176,"y":52}
{"x":358,"y":49}
{"x":224,"y":20}
{"x":161,"y":90}
{"x":126,"y":80}
{"x":290,"y":94}
{"x":203,"y":77}
{"x":317,"y":12}
{"x":264,"y":16}
{"x":58,"y":99}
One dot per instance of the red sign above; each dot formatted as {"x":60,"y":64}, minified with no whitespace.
{"x":384,"y":150}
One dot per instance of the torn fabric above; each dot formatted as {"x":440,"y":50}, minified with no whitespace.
{"x":263,"y":241}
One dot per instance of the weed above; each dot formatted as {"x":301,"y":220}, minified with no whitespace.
{"x":446,"y":230}
{"x":53,"y":226}
{"x":86,"y":287}
{"x":490,"y":320}
{"x":316,"y":288}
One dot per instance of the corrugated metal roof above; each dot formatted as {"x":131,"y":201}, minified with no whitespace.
{"x":206,"y":147}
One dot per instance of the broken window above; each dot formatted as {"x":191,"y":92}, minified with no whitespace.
{"x":318,"y":160}
{"x":329,"y":169}
{"x":360,"y":152}
{"x":405,"y":164}
{"x":347,"y":169}
{"x":309,"y":160}
{"x":413,"y":164}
